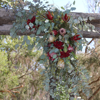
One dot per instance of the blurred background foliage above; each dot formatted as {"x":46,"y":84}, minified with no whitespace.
{"x":20,"y":77}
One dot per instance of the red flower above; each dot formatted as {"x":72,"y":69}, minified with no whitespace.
{"x":35,"y":27}
{"x":58,"y":44}
{"x":50,"y":55}
{"x":70,"y":49}
{"x":33,"y":19}
{"x":28,"y":21}
{"x":55,"y":32}
{"x":66,"y":18}
{"x":75,"y":38}
{"x":64,"y":54}
{"x":49,"y":16}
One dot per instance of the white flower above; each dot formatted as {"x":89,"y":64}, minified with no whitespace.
{"x":46,"y":21}
{"x":72,"y":58}
{"x":27,"y":27}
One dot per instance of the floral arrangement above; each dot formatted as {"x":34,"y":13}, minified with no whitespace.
{"x":59,"y":40}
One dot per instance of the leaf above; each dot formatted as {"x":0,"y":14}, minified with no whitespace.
{"x":32,"y":35}
{"x":80,"y":47}
{"x":42,"y":57}
{"x":63,"y":8}
{"x":14,"y":35}
{"x":30,"y":47}
{"x":80,"y":27}
{"x":23,"y":42}
{"x":28,"y":42}
{"x":53,"y":50}
{"x":80,"y":36}
{"x":73,"y":34}
{"x":93,"y":27}
{"x":73,"y":8}
{"x":66,"y":36}
{"x":56,"y":50}
{"x":84,"y":28}
{"x":65,"y":48}
{"x":54,"y":56}
{"x":56,"y":60}
{"x":42,"y":73}
{"x":76,"y":21}
{"x":32,"y":29}
{"x":19,"y":14}
{"x":31,"y":25}
{"x":36,"y":22}
{"x":25,"y":38}
{"x":46,"y":2}
{"x":41,"y":61}
{"x":16,"y":46}
{"x":67,"y":11}
{"x":40,"y":23}
{"x":47,"y":87}
{"x":12,"y":31}
{"x":38,"y":32}
{"x":74,"y":3}
{"x":52,"y":26}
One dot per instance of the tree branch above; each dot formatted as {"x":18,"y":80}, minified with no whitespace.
{"x":87,"y":45}
{"x":90,"y":98}
{"x":95,"y":81}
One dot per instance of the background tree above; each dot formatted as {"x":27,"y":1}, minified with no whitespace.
{"x":20,"y":76}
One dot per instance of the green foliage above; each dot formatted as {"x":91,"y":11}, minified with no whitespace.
{"x":16,"y":66}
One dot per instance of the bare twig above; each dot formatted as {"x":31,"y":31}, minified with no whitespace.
{"x":95,"y":81}
{"x":87,"y":45}
{"x":91,"y":97}
{"x":16,"y":87}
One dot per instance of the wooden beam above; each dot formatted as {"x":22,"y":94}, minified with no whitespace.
{"x":5,"y":30}
{"x":7,"y":18}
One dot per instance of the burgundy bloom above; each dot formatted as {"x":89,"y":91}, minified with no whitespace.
{"x":55,"y":32}
{"x":70,"y":49}
{"x":75,"y":38}
{"x":58,"y":44}
{"x":64,"y":54}
{"x":49,"y":16}
{"x":33,"y":19}
{"x":34,"y":27}
{"x":50,"y":55}
{"x":28,"y":21}
{"x":66,"y":18}
{"x":62,"y":31}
